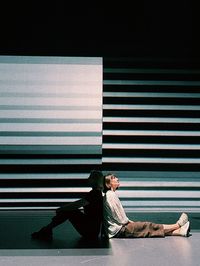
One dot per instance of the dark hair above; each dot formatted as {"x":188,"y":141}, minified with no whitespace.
{"x":95,"y":174}
{"x":94,"y":177}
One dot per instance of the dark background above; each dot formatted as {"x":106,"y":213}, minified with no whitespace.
{"x":142,"y":29}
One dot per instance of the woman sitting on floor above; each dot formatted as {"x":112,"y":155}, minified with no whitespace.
{"x":87,"y":221}
{"x":117,"y":224}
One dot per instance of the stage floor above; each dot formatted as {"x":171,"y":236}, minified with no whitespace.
{"x":68,"y":248}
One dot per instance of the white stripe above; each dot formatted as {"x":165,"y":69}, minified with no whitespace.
{"x":150,"y":133}
{"x":127,"y":210}
{"x":159,"y":184}
{"x":35,"y":200}
{"x":156,"y":203}
{"x":163,"y":210}
{"x":44,"y":176}
{"x":51,"y":73}
{"x":59,"y":89}
{"x":77,"y":94}
{"x":158,"y":194}
{"x":151,"y":120}
{"x":32,"y":101}
{"x":52,"y":208}
{"x":44,"y":190}
{"x":149,"y":107}
{"x":141,"y":146}
{"x":76,"y":140}
{"x":179,"y":176}
{"x":50,"y":161}
{"x":53,"y":127}
{"x":151,"y":94}
{"x":82,"y":114}
{"x":151,"y":160}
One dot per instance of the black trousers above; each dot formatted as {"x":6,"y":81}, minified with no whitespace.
{"x":81,"y":222}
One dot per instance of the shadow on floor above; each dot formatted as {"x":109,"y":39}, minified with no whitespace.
{"x":16,"y":228}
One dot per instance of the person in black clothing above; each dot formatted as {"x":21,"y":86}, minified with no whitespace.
{"x":87,"y":221}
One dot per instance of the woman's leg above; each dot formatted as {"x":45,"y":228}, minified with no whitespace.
{"x":83,"y":225}
{"x":148,"y":229}
{"x":143,"y":229}
{"x":169,"y":228}
{"x":180,"y":231}
{"x":78,"y":219}
{"x":60,"y":218}
{"x":46,"y":231}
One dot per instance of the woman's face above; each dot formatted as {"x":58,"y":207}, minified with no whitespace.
{"x":114,"y":183}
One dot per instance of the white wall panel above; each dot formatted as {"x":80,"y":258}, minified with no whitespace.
{"x":50,"y":128}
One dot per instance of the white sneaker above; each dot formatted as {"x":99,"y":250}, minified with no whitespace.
{"x":183,"y":219}
{"x":185,"y":229}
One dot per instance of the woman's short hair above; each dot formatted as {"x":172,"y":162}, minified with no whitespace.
{"x":95,"y":178}
{"x":107,"y":179}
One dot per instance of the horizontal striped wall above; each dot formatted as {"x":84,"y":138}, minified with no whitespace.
{"x":151,"y":135}
{"x":50,"y":128}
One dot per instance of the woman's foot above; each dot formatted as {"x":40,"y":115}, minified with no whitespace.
{"x":185,"y":229}
{"x":183,"y":219}
{"x":43,"y":234}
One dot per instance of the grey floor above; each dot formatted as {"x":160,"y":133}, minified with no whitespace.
{"x":68,"y":248}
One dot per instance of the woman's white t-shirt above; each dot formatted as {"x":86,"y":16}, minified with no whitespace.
{"x":114,"y":214}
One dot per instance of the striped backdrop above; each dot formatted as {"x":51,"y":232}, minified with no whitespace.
{"x":53,"y":131}
{"x":50,"y":127}
{"x":151,"y":134}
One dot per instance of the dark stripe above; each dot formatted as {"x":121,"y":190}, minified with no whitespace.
{"x":42,"y":195}
{"x":152,"y":100}
{"x":151,"y":126}
{"x":44,"y":183}
{"x":50,"y":168}
{"x":152,"y":76}
{"x":152,"y":139}
{"x":152,"y":113}
{"x":151,"y":88}
{"x":154,"y":153}
{"x":50,"y":149}
{"x":151,"y":167}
